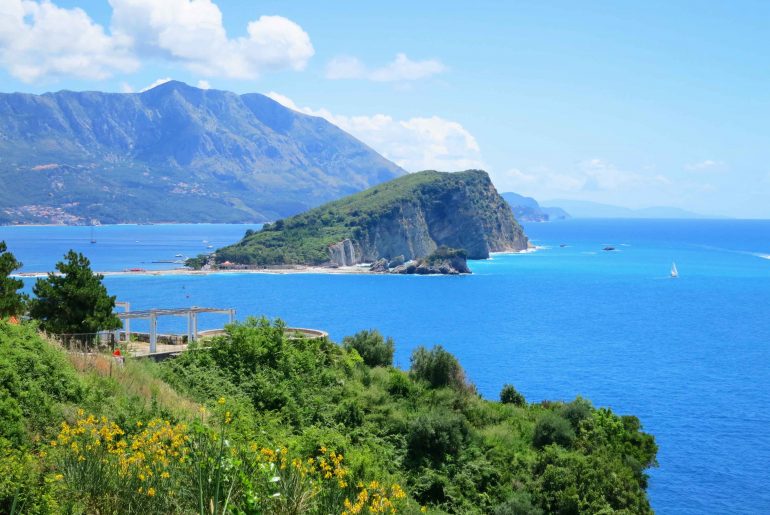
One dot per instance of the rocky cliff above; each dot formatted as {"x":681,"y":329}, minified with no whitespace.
{"x":410,"y":216}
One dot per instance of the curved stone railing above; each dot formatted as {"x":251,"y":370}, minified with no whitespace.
{"x":290,"y":332}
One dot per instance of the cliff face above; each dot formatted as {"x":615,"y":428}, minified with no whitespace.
{"x":469,"y":215}
{"x":410,"y":216}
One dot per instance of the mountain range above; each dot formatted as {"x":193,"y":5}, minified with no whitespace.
{"x":174,"y":153}
{"x":586,"y":209}
{"x":527,"y":209}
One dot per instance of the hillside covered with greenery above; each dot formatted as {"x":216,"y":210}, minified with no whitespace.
{"x":411,"y":215}
{"x":173,"y":153}
{"x":254,"y":422}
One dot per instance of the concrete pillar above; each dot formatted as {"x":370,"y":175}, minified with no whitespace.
{"x":195,"y":325}
{"x":189,"y":328}
{"x":153,"y":333}
{"x":232,"y":316}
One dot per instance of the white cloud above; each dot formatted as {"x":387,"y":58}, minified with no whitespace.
{"x":39,"y":40}
{"x":401,"y":69}
{"x":707,"y":165}
{"x":155,"y":84}
{"x":596,"y":179}
{"x":418,"y":143}
{"x":204,"y":84}
{"x":191,"y":32}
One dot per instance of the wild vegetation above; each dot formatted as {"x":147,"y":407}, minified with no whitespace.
{"x":255,"y":422}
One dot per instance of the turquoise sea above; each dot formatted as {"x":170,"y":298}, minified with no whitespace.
{"x":689,"y":356}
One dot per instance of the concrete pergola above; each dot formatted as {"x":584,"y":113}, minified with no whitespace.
{"x":153,"y":314}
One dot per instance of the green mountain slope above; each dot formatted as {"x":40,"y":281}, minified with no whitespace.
{"x":174,"y":153}
{"x":410,"y":216}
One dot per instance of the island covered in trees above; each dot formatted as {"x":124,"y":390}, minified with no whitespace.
{"x":408,"y":218}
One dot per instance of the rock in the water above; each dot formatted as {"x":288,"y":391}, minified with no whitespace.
{"x":380,"y":266}
{"x":444,"y":261}
{"x":397,"y":261}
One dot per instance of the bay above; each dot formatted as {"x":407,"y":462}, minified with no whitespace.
{"x":688,"y":356}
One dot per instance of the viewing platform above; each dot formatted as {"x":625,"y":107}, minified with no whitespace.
{"x":161,"y":345}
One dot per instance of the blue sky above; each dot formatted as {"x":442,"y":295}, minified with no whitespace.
{"x":629,"y":103}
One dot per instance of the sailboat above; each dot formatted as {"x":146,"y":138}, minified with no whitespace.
{"x":674,"y":271}
{"x":93,"y":240}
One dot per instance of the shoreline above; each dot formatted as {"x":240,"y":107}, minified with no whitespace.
{"x":346,"y":270}
{"x":293,"y":270}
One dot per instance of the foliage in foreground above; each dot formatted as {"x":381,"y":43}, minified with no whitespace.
{"x":11,"y":301}
{"x":74,"y":301}
{"x":307,"y":427}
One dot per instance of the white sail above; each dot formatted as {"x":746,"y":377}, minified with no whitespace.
{"x":674,"y":271}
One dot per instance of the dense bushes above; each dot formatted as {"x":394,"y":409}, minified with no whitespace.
{"x":509,"y":395}
{"x":438,"y":368}
{"x":375,"y":350}
{"x":436,"y":437}
{"x":293,"y":408}
{"x":36,"y":381}
{"x":552,"y":428}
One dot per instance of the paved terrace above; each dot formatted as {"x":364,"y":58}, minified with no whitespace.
{"x":153,"y":348}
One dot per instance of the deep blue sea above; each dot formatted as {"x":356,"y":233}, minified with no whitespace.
{"x":689,"y":356}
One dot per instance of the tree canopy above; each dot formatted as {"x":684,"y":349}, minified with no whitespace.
{"x":74,"y":301}
{"x":11,"y":301}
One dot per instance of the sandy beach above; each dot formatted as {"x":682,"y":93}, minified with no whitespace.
{"x":188,"y":271}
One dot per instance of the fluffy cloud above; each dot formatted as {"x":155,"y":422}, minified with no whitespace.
{"x":707,"y":165}
{"x":415,"y":144}
{"x":592,"y":178}
{"x":191,"y":32}
{"x":401,"y":69}
{"x":155,"y":84}
{"x":39,"y":40}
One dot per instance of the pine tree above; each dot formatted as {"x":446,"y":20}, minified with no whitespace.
{"x":11,"y":301}
{"x":74,"y":301}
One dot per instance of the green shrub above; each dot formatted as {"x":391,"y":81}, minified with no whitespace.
{"x":509,"y":395}
{"x":375,"y":350}
{"x":436,"y":436}
{"x":35,"y":378}
{"x":552,"y":428}
{"x":577,"y":411}
{"x":518,"y":504}
{"x":438,"y":368}
{"x":399,"y":384}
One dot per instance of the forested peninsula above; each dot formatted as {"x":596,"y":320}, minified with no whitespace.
{"x":405,"y":219}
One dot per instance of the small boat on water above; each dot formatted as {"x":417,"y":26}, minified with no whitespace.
{"x":674,"y":271}
{"x":178,"y":255}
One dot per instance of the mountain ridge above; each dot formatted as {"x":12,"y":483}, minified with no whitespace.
{"x":527,"y":209}
{"x":173,"y":153}
{"x":588,"y":209}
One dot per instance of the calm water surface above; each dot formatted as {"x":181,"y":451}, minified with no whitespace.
{"x":689,"y":356}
